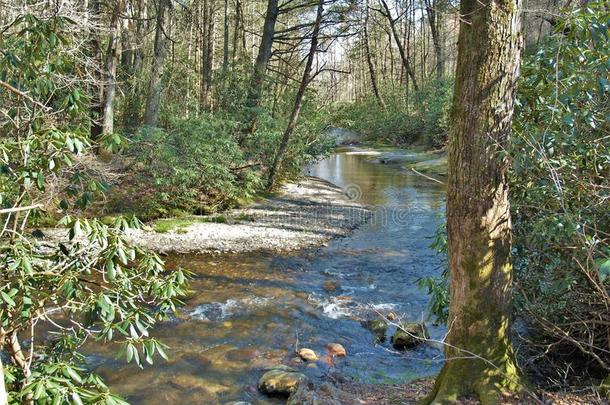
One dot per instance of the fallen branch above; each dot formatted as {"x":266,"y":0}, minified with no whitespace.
{"x":428,"y":177}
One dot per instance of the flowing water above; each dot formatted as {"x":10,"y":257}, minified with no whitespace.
{"x":248,"y":311}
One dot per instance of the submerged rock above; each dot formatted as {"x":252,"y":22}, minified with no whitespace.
{"x":336,"y":350}
{"x":409,"y":335}
{"x":331,"y":286}
{"x":281,"y":382}
{"x":308,"y":354}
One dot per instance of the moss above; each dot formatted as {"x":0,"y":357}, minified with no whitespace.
{"x":180,"y":225}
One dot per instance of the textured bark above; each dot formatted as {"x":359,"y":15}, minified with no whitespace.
{"x":478,"y":217}
{"x":97,"y":109}
{"x":403,"y":56}
{"x":255,"y":89}
{"x":110,"y":65}
{"x":153,"y":99}
{"x":298,"y":102}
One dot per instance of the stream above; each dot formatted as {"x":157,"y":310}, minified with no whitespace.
{"x":248,"y":310}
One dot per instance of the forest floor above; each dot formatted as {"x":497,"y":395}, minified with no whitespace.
{"x":304,"y":214}
{"x":411,"y":393}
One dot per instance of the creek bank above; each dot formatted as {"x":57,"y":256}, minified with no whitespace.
{"x":308,"y":213}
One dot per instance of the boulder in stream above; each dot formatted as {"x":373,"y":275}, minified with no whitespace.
{"x":409,"y":335}
{"x":336,"y":350}
{"x":377,"y":326}
{"x":281,"y":381}
{"x":307,"y":354}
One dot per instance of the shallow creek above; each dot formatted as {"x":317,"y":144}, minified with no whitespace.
{"x":248,"y":310}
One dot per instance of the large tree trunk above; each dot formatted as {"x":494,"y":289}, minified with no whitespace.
{"x":110,"y":65}
{"x":479,"y":356}
{"x":153,"y":99}
{"x":298,"y":102}
{"x":255,"y":89}
{"x":403,"y":56}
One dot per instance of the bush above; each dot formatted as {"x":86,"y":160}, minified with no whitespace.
{"x":424,"y":120}
{"x":559,"y":192}
{"x":195,"y":166}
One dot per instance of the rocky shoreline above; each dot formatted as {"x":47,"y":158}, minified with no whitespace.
{"x":305,"y":214}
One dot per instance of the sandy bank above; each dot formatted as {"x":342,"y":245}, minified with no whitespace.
{"x":305,"y":214}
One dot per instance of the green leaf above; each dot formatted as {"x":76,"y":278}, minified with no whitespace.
{"x":7,"y":299}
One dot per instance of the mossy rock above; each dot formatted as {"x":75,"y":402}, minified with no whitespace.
{"x":280,"y":382}
{"x":410,"y":335}
{"x":378,"y":326}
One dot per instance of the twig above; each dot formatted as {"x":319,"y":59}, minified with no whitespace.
{"x":24,"y":95}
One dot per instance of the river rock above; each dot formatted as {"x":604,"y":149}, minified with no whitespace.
{"x":409,"y":335}
{"x":308,"y":354}
{"x":325,"y":394}
{"x":280,"y":382}
{"x":377,"y":326}
{"x":331,"y":286}
{"x":336,"y":350}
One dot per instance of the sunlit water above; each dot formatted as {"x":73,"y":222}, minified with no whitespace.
{"x":248,"y":310}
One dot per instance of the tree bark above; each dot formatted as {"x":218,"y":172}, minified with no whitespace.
{"x":110,"y":65}
{"x":97,"y":109}
{"x":255,"y":89}
{"x":403,"y":56}
{"x":478,"y":216}
{"x":369,"y":60}
{"x":208,"y":53}
{"x":298,"y":102}
{"x":436,"y":27}
{"x":225,"y":39}
{"x":153,"y":99}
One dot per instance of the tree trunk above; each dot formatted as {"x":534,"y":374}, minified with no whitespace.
{"x":225,"y":39}
{"x":110,"y":65}
{"x":153,"y":99}
{"x":298,"y":102}
{"x":207,"y":53}
{"x":478,"y":216}
{"x":435,"y":22}
{"x":255,"y":90}
{"x":369,"y":60}
{"x":403,"y":56}
{"x":97,"y":109}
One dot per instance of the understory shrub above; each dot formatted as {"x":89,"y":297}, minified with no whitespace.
{"x":560,"y":192}
{"x":196,"y":165}
{"x":423,"y":120}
